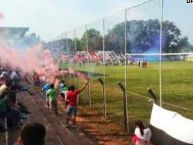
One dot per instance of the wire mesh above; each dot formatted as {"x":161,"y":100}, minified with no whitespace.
{"x":144,"y":46}
{"x":177,"y":65}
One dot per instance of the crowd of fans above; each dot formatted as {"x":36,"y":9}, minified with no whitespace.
{"x":10,"y":106}
{"x":110,"y":58}
{"x":67,"y":94}
{"x":12,"y":82}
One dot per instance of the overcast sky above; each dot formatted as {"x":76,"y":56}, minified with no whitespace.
{"x":49,"y":18}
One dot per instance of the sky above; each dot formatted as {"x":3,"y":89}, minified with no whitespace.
{"x":50,"y":18}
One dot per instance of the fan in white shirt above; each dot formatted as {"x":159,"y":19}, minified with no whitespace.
{"x":142,"y":135}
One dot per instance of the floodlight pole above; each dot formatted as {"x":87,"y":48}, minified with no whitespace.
{"x":126,"y":124}
{"x":104,"y":98}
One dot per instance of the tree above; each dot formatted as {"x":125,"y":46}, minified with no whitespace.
{"x":93,"y":38}
{"x":67,"y":45}
{"x":78,"y":45}
{"x":144,"y":36}
{"x":115,"y":38}
{"x":185,"y":45}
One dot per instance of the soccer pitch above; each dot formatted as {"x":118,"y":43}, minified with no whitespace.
{"x":177,"y":92}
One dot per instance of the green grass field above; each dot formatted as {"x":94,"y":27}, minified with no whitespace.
{"x":177,"y":88}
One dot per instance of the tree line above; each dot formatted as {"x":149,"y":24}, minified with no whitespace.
{"x":142,"y":36}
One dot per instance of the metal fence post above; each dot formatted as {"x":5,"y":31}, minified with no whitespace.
{"x":90,"y":98}
{"x":160,"y":56}
{"x":104,"y":72}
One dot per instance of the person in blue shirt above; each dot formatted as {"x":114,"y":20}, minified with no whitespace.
{"x":63,"y":90}
{"x":46,"y":87}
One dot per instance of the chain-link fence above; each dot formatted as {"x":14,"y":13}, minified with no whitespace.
{"x":145,"y":46}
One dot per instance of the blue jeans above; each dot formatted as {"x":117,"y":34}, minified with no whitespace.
{"x":71,"y":110}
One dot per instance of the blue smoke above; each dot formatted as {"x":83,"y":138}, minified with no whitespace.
{"x":153,"y":51}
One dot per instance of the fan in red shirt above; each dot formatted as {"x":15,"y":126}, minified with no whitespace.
{"x":72,"y":97}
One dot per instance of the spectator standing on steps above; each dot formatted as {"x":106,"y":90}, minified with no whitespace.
{"x":63,"y":90}
{"x":51,"y":93}
{"x":71,"y":110}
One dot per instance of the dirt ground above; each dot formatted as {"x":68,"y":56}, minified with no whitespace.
{"x":103,"y":131}
{"x":100,"y":130}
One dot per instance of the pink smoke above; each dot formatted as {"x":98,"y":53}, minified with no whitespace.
{"x":35,"y":59}
{"x":1,"y":18}
{"x":31,"y":60}
{"x":1,"y":15}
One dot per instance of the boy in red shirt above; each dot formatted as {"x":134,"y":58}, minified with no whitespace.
{"x":71,"y":110}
